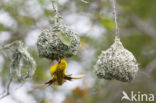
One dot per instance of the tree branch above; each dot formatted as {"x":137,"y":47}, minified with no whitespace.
{"x":151,"y":66}
{"x":143,"y":26}
{"x":84,"y":1}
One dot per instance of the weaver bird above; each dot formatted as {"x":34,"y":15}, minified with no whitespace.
{"x":58,"y":75}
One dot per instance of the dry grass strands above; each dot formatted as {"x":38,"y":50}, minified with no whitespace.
{"x":22,"y":64}
{"x":50,"y":45}
{"x":116,"y":63}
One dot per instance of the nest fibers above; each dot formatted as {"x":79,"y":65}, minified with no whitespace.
{"x":116,"y":63}
{"x":51,"y":47}
{"x":22,"y":65}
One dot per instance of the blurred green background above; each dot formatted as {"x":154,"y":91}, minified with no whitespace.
{"x":94,"y":22}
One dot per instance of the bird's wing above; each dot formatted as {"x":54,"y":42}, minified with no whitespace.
{"x":69,"y":77}
{"x":64,"y":71}
{"x":79,"y":77}
{"x":44,"y":85}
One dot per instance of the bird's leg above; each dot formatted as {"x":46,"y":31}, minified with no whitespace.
{"x":58,"y":60}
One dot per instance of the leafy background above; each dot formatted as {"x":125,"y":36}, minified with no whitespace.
{"x":94,"y":22}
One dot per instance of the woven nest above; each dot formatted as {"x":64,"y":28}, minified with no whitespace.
{"x":116,"y":63}
{"x":22,"y":64}
{"x":50,"y":46}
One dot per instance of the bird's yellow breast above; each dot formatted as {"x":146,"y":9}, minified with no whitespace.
{"x":60,"y":66}
{"x":53,"y":69}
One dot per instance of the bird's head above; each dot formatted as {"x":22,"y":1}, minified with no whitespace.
{"x":63,"y":63}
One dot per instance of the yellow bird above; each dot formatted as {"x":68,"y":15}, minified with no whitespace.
{"x":61,"y":66}
{"x":57,"y":72}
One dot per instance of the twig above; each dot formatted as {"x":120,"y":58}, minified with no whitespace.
{"x":7,"y":91}
{"x":143,"y":26}
{"x":54,"y":6}
{"x":57,"y":15}
{"x":115,"y":18}
{"x":84,"y":1}
{"x":151,"y":66}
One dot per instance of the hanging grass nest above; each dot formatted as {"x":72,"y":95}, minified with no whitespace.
{"x":116,"y":63}
{"x":58,"y":42}
{"x":22,"y":64}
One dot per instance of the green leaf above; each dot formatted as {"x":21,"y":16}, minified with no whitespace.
{"x":64,"y":38}
{"x":107,"y":23}
{"x":26,"y":20}
{"x":3,"y":28}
